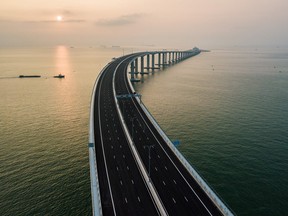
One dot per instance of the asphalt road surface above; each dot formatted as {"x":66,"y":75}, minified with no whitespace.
{"x":123,"y":189}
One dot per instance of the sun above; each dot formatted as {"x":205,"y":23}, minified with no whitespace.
{"x":59,"y":18}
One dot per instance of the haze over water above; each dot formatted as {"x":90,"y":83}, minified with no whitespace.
{"x":228,"y":108}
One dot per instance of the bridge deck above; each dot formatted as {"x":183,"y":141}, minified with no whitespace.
{"x":123,"y":188}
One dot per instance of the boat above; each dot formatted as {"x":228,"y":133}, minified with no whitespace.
{"x":29,"y":76}
{"x":59,"y":76}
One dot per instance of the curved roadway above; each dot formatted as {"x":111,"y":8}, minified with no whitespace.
{"x":122,"y":186}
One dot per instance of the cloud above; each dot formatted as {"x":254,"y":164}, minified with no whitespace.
{"x":120,"y":21}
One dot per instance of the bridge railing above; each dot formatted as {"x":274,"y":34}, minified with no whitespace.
{"x":211,"y":194}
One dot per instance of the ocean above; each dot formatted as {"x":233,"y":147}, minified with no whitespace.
{"x":228,"y":108}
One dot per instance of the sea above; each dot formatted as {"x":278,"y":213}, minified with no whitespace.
{"x":227,"y":109}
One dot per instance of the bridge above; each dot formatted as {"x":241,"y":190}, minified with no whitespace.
{"x":134,"y":167}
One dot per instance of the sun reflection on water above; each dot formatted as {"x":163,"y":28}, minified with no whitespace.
{"x":62,"y":60}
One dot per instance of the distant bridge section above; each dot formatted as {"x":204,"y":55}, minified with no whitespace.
{"x":134,"y":167}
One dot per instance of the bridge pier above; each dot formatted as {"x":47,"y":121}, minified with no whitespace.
{"x":159,"y":59}
{"x":153,"y":62}
{"x":148,"y":62}
{"x":165,"y":59}
{"x":136,"y":66}
{"x":142,"y":66}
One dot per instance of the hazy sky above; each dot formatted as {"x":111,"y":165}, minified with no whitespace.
{"x":174,"y":23}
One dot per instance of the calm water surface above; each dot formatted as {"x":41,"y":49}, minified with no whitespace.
{"x":228,"y":108}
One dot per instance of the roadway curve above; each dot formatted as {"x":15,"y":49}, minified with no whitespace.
{"x":178,"y":191}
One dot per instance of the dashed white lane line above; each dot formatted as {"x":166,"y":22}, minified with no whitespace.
{"x":174,"y":200}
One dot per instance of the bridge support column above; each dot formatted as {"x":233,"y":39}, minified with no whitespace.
{"x":164,"y":59}
{"x":132,"y":70}
{"x":142,"y":66}
{"x":136,"y":66}
{"x":153,"y":62}
{"x":148,"y":62}
{"x":159,"y":59}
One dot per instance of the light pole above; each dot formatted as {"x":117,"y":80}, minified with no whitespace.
{"x":149,"y":158}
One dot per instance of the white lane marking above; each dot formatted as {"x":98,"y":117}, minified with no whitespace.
{"x":186,"y":198}
{"x":123,"y":156}
{"x":158,"y":156}
{"x":121,"y":182}
{"x":117,"y":168}
{"x":132,"y":181}
{"x":166,"y":168}
{"x":126,"y":200}
{"x":139,"y":199}
{"x":174,"y":200}
{"x":156,"y":169}
{"x":127,"y":167}
{"x":164,"y":183}
{"x":174,"y":181}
